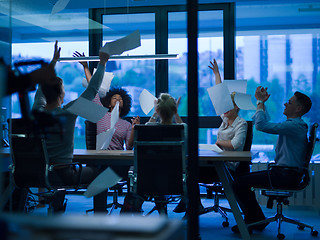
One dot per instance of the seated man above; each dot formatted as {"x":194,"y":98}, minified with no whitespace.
{"x":49,"y":98}
{"x":290,"y":151}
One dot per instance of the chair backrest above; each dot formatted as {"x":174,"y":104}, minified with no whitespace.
{"x":29,"y":156}
{"x":310,"y":147}
{"x":159,"y":160}
{"x":249,"y":136}
{"x":91,"y":134}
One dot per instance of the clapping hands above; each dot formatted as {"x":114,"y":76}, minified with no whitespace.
{"x":262,"y":94}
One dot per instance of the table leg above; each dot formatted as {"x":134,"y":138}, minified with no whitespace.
{"x":225,"y":177}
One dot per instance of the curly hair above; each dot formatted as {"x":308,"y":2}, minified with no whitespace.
{"x":127,"y":101}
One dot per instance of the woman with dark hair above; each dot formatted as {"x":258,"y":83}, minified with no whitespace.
{"x":124,"y":130}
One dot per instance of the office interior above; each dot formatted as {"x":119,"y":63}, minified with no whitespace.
{"x":270,"y":43}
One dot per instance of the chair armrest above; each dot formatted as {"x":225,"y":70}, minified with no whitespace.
{"x":65,"y":165}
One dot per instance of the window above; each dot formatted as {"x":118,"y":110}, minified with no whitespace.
{"x":277,"y":46}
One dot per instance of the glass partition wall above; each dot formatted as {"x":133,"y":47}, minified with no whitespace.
{"x":274,"y":44}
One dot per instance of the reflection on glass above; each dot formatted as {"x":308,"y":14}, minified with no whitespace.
{"x":135,"y":75}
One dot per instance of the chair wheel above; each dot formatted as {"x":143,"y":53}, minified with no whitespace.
{"x":225,"y":224}
{"x":300,"y":227}
{"x":314,"y":233}
{"x":281,"y":236}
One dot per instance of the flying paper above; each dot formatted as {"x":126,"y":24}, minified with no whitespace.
{"x":104,"y":138}
{"x":236,"y":85}
{"x":59,"y":6}
{"x":105,"y":180}
{"x":146,"y":100}
{"x":105,"y":85}
{"x":87,"y":109}
{"x":121,"y":45}
{"x":243,"y":101}
{"x":220,"y":98}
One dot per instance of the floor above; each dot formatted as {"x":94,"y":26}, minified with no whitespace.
{"x":211,"y":223}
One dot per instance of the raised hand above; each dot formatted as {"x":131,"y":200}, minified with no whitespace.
{"x":83,"y":63}
{"x":56,"y":54}
{"x":135,"y":121}
{"x":215,"y":69}
{"x":262,"y":93}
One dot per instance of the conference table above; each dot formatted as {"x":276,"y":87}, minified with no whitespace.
{"x":206,"y":158}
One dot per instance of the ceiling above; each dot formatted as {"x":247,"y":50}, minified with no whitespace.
{"x":33,"y":21}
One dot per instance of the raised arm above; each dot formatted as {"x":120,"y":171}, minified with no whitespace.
{"x":214,"y":67}
{"x":97,"y":78}
{"x":176,"y":115}
{"x":84,"y":64}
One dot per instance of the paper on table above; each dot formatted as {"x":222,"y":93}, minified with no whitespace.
{"x":146,"y":100}
{"x":220,"y":98}
{"x":236,"y":85}
{"x":59,"y":6}
{"x":87,"y":109}
{"x":243,"y":101}
{"x":104,"y":139}
{"x":212,"y":147}
{"x":105,"y":85}
{"x":105,"y":180}
{"x":123,"y":44}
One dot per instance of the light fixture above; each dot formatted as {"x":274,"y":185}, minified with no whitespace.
{"x":128,"y":57}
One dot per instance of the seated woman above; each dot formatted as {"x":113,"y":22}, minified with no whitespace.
{"x":124,"y":130}
{"x":231,"y":137}
{"x":166,"y":108}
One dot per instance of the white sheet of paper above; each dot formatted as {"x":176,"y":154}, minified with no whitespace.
{"x":244,"y":101}
{"x":102,"y":182}
{"x":114,"y":115}
{"x":59,"y":6}
{"x":104,"y":139}
{"x":121,"y":45}
{"x":212,"y":147}
{"x":220,"y":98}
{"x":105,"y":85}
{"x":88,"y":109}
{"x":236,"y":85}
{"x":146,"y":100}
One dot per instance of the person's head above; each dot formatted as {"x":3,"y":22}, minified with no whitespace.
{"x":166,"y":107}
{"x":53,"y":92}
{"x":118,"y":95}
{"x":298,"y":105}
{"x":233,"y":112}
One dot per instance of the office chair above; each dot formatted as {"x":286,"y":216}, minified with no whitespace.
{"x":91,"y":134}
{"x":159,"y":164}
{"x":215,"y":189}
{"x":282,"y":195}
{"x":31,"y":167}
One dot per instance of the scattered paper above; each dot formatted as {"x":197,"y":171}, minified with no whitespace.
{"x":87,"y":109}
{"x":236,"y":85}
{"x":212,"y":147}
{"x":105,"y":180}
{"x":121,"y":45}
{"x":59,"y":6}
{"x":220,"y":98}
{"x":244,"y":101}
{"x":114,"y":115}
{"x":105,"y":85}
{"x":104,"y":139}
{"x":146,"y":100}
